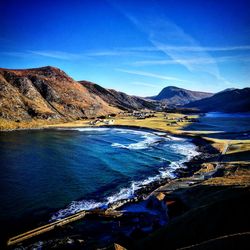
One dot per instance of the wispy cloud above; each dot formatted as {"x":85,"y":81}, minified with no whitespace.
{"x":56,"y":54}
{"x":62,"y":55}
{"x":192,"y":48}
{"x":118,"y":52}
{"x":199,"y":61}
{"x":173,"y":41}
{"x":144,"y":49}
{"x":144,"y":84}
{"x":13,"y":53}
{"x":145,"y":52}
{"x":149,"y":74}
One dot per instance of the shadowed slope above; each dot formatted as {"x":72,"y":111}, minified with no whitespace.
{"x":119,"y":99}
{"x":236,"y":100}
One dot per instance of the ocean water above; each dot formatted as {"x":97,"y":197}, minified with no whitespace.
{"x":221,"y":122}
{"x":55,"y":173}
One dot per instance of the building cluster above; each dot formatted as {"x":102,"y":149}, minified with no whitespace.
{"x":142,"y":114}
{"x":103,"y":121}
{"x":175,"y":120}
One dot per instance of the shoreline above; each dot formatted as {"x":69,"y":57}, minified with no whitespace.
{"x":187,"y":170}
{"x":192,"y":175}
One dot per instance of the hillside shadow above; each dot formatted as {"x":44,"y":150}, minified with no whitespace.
{"x":214,"y":211}
{"x":232,"y":157}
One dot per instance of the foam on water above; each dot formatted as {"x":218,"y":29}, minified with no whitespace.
{"x":182,"y":147}
{"x":86,"y":129}
{"x":122,"y":194}
{"x":149,"y":140}
{"x":74,"y":207}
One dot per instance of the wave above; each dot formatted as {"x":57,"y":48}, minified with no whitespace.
{"x":149,"y":141}
{"x":85,"y":129}
{"x":182,"y":147}
{"x":74,"y":207}
{"x":123,"y":194}
{"x":186,"y":149}
{"x":174,"y":138}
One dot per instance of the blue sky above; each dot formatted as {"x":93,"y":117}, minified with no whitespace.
{"x":137,"y":47}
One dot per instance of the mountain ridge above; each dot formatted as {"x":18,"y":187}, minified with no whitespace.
{"x":235,"y":100}
{"x":49,"y":93}
{"x":118,"y":98}
{"x":175,"y":96}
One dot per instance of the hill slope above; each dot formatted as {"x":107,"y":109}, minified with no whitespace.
{"x":235,"y":100}
{"x":46,"y":93}
{"x":49,"y":93}
{"x":174,"y":96}
{"x":118,"y":99}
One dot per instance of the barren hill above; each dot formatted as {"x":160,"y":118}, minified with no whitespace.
{"x":47,"y":93}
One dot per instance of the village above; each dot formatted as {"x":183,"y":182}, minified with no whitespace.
{"x":169,"y":118}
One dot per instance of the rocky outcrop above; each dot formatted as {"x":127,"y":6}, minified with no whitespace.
{"x":47,"y":93}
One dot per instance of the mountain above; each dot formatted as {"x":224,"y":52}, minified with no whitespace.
{"x":119,"y":99}
{"x":225,"y":90}
{"x":174,"y":96}
{"x":235,"y":100}
{"x":49,"y":93}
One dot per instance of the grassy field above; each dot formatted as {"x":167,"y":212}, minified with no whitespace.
{"x":35,"y":123}
{"x":158,"y":122}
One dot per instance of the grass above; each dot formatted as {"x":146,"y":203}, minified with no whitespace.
{"x":35,"y":123}
{"x":158,"y":122}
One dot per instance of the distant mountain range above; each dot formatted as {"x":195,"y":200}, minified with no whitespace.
{"x":173,"y":96}
{"x":230,"y":100}
{"x":49,"y":93}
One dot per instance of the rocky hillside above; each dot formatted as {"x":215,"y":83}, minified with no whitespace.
{"x":47,"y":93}
{"x":119,"y":99}
{"x":235,"y":100}
{"x":173,"y":96}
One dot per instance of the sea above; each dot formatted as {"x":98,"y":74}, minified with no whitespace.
{"x":48,"y":174}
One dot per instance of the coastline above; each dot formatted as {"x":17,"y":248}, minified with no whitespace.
{"x":143,"y":193}
{"x":192,"y":174}
{"x":186,"y":168}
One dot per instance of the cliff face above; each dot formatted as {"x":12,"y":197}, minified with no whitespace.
{"x":119,"y":99}
{"x":47,"y":93}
